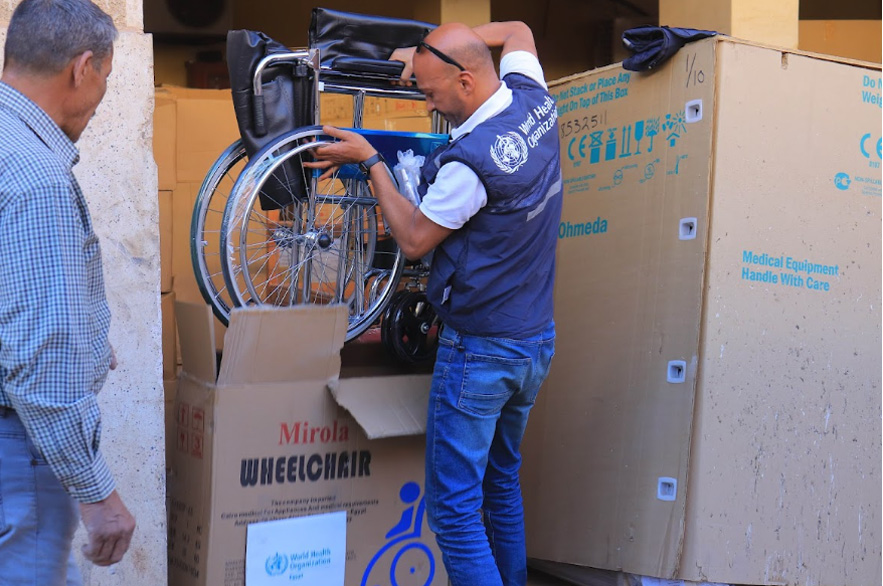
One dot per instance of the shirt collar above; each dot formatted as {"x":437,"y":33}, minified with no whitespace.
{"x":40,"y":123}
{"x":495,"y":104}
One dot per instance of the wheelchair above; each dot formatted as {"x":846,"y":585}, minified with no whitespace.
{"x":266,"y":230}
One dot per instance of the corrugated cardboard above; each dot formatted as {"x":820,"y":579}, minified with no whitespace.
{"x":170,"y":387}
{"x":169,"y":337}
{"x":164,"y":139}
{"x":710,"y":415}
{"x":380,"y":409}
{"x":192,"y":127}
{"x":165,"y":241}
{"x":206,"y":125}
{"x":197,"y":340}
{"x":271,"y":404}
{"x":183,"y":202}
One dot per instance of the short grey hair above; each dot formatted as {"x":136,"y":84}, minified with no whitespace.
{"x":44,"y":35}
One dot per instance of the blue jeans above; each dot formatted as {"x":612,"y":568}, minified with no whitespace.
{"x":482,"y":392}
{"x":38,"y":517}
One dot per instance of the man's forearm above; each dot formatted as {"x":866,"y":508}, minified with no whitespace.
{"x":511,"y":36}
{"x":404,"y":219}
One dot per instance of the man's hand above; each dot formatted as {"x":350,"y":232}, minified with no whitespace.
{"x":415,"y":233}
{"x":349,"y":148}
{"x":406,"y":56}
{"x":113,"y":359}
{"x":109,"y":525}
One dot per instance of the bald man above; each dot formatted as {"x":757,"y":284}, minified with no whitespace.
{"x":490,"y":208}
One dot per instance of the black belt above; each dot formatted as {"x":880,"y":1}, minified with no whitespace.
{"x":5,"y":411}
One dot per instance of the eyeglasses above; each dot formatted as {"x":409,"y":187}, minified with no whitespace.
{"x":439,"y":54}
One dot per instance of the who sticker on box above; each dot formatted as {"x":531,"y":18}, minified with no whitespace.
{"x":306,"y":551}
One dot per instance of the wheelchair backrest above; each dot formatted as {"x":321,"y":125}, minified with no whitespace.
{"x":358,"y":43}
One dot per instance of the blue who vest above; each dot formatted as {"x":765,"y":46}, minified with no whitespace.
{"x":494,"y":276}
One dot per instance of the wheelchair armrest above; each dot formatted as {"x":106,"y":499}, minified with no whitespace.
{"x":360,"y":65}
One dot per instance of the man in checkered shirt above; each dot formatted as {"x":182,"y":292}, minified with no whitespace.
{"x":54,"y":319}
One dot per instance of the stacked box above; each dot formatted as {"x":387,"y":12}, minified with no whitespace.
{"x":273,"y":432}
{"x":713,"y":410}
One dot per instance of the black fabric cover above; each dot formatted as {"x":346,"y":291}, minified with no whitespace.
{"x":361,"y":65}
{"x":349,"y":35}
{"x":287,"y":103}
{"x":653,"y":45}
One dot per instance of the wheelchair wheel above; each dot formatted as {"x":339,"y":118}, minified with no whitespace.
{"x":409,"y":330}
{"x":327,"y":245}
{"x":205,"y":228}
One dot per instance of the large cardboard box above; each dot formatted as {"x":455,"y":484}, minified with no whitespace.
{"x":377,"y":113}
{"x":169,"y":336}
{"x":170,"y":388}
{"x":713,"y":410}
{"x":165,"y":241}
{"x":164,"y":126}
{"x":191,"y":128}
{"x":280,"y":435}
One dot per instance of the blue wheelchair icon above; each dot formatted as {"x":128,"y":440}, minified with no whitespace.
{"x":410,"y":562}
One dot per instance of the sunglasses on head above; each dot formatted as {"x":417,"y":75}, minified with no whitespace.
{"x":439,"y":54}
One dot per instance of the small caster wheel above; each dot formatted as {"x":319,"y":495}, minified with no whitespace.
{"x":410,"y":328}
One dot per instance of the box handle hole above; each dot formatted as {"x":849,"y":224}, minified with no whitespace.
{"x":687,"y":229}
{"x":693,"y":111}
{"x":677,"y":371}
{"x":667,"y":489}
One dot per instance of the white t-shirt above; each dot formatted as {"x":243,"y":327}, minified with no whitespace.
{"x":457,"y":193}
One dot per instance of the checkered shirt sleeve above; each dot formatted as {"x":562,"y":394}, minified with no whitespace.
{"x":54,"y":318}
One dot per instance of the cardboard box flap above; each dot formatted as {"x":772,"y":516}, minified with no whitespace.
{"x":197,"y":338}
{"x":385,"y":406}
{"x":283,"y":344}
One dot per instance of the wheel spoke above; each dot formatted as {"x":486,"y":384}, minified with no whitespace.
{"x":320,"y":249}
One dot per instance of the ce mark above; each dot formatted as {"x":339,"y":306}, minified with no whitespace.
{"x":865,"y":152}
{"x":581,"y":149}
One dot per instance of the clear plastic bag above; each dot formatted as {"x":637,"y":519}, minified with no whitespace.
{"x":407,"y":173}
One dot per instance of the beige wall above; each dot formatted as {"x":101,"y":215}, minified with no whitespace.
{"x":778,"y":23}
{"x":854,"y":39}
{"x":761,"y":21}
{"x":118,"y":177}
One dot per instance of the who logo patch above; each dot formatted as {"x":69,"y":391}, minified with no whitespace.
{"x":509,"y":152}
